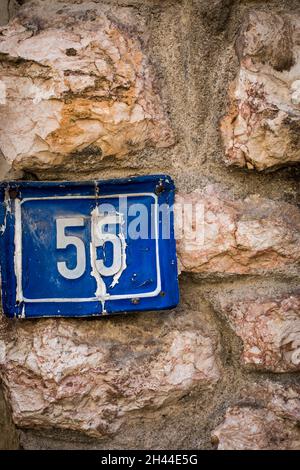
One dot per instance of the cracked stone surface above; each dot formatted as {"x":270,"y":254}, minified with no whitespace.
{"x":269,"y":330}
{"x":262,"y":127}
{"x":75,"y":83}
{"x":239,"y":236}
{"x":86,"y":89}
{"x":91,"y":377}
{"x":267,"y":417}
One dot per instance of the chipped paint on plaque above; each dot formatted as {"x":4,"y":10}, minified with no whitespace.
{"x":99,"y":238}
{"x":7,"y":209}
{"x":123,"y":255}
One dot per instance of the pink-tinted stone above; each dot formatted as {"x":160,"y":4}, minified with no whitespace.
{"x":238,"y":236}
{"x":269,"y":330}
{"x":92,"y":376}
{"x":266,"y":418}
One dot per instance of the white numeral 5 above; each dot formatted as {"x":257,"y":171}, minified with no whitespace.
{"x":63,"y":240}
{"x":100,"y":237}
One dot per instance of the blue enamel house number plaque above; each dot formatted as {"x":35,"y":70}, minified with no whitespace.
{"x":87,"y":248}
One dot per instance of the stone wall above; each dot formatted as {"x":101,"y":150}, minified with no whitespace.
{"x":207,"y":91}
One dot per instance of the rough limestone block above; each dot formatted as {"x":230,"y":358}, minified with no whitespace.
{"x":269,"y":330}
{"x":75,"y":83}
{"x":255,"y":235}
{"x":262,"y":127}
{"x":92,"y":376}
{"x":266,"y":418}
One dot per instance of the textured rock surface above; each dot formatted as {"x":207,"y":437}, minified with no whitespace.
{"x":65,"y":374}
{"x":191,"y":45}
{"x":75,"y":83}
{"x":267,"y":417}
{"x":240,"y":236}
{"x":270,"y":332}
{"x":262,"y":127}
